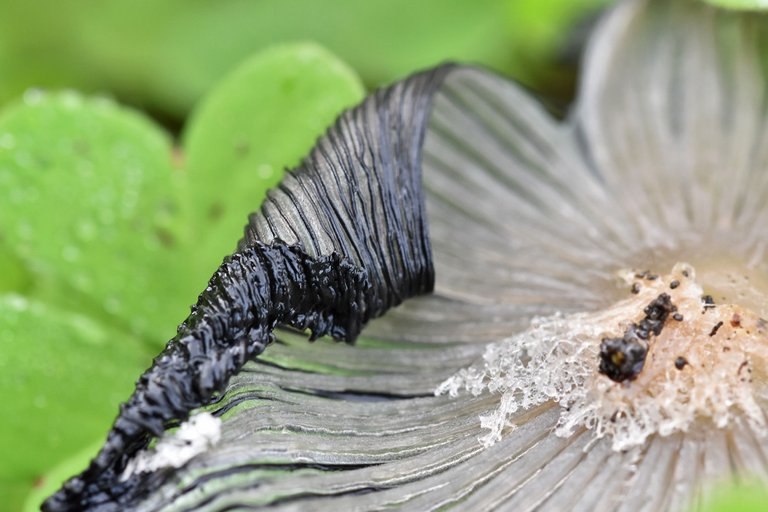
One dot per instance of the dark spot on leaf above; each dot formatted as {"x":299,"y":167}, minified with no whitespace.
{"x":215,"y":212}
{"x":165,"y":237}
{"x":242,"y":148}
{"x":81,"y":147}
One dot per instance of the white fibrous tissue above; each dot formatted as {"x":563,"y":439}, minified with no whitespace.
{"x":707,"y":364}
{"x":193,"y":437}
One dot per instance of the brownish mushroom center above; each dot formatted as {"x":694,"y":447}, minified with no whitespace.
{"x":673,"y":352}
{"x":675,"y":323}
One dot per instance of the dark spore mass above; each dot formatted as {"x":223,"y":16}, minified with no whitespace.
{"x":623,"y":358}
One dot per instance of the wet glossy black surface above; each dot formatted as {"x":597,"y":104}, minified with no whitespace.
{"x":359,"y":192}
{"x":249,"y":295}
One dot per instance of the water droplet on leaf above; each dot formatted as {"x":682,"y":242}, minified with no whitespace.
{"x":33,"y":97}
{"x":7,"y":141}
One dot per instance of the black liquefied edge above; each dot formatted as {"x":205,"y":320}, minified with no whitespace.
{"x":343,"y":239}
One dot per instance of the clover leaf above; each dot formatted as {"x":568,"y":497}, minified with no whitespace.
{"x":261,"y":119}
{"x":107,"y":236}
{"x":63,"y":376}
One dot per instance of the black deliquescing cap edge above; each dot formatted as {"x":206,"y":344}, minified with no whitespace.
{"x":335,"y":288}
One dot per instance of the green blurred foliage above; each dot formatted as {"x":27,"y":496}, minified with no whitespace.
{"x":749,"y":5}
{"x":164,"y":55}
{"x":53,"y":479}
{"x":87,"y":204}
{"x":745,"y":496}
{"x":49,"y":363}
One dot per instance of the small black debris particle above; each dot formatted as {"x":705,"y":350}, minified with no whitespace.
{"x":656,"y":314}
{"x":623,"y":358}
{"x":674,"y":284}
{"x":742,"y":366}
{"x":716,"y":328}
{"x":708,"y":301}
{"x":636,"y":288}
{"x":678,"y":317}
{"x":646,"y":274}
{"x":680,"y":362}
{"x":685,"y":273}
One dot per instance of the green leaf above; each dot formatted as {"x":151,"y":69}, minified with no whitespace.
{"x":53,"y":479}
{"x":62,"y":376}
{"x":259,"y":120}
{"x":88,"y":210}
{"x":747,"y":496}
{"x":540,"y":25}
{"x":751,"y":5}
{"x":546,"y":39}
{"x":14,"y":276}
{"x":166,"y":55}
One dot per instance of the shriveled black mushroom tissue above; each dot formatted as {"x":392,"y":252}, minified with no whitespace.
{"x":339,"y":242}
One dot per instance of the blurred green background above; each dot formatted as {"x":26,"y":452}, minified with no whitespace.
{"x":162,"y":56}
{"x":136,"y":136}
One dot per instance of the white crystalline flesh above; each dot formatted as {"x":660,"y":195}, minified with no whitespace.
{"x":696,"y":369}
